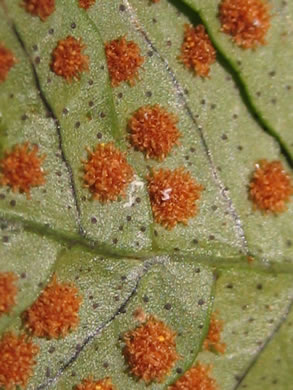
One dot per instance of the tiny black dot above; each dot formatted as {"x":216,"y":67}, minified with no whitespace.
{"x":128,"y":218}
{"x":288,"y":87}
{"x":145,"y":299}
{"x":24,"y":117}
{"x":102,"y":115}
{"x":197,"y":270}
{"x":224,"y":137}
{"x":211,"y":237}
{"x":123,"y":277}
{"x":73,"y":25}
{"x":148,"y":93}
{"x":192,"y":150}
{"x":49,"y":80}
{"x":23,"y":275}
{"x":235,"y":116}
{"x":240,"y":147}
{"x":213,"y":106}
{"x":35,"y":47}
{"x":91,"y":82}
{"x":65,"y":111}
{"x":142,"y":229}
{"x":259,"y":286}
{"x":93,"y":220}
{"x":51,"y":31}
{"x":12,"y":203}
{"x":239,"y":62}
{"x":186,"y":91}
{"x":2,"y":196}
{"x":51,"y":350}
{"x":203,"y":101}
{"x":289,"y":243}
{"x":77,"y":124}
{"x":115,"y":240}
{"x":95,"y":306}
{"x":99,"y":135}
{"x":121,"y":7}
{"x":116,"y":298}
{"x":121,"y":228}
{"x":200,"y":302}
{"x":272,"y":73}
{"x":230,"y":285}
{"x":73,"y":373}
{"x":102,"y":67}
{"x":156,"y":233}
{"x":37,"y":60}
{"x":150,"y":53}
{"x":154,"y":20}
{"x":258,"y":93}
{"x":179,"y":370}
{"x":120,"y":95}
{"x":11,"y":96}
{"x":169,"y":43}
{"x":105,"y":365}
{"x":91,"y":103}
{"x":214,"y":207}
{"x":167,"y":306}
{"x":200,"y":326}
{"x":195,"y":241}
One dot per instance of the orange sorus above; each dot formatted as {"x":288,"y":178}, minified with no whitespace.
{"x":90,"y":384}
{"x":68,"y":59}
{"x":173,"y":195}
{"x":271,"y":186}
{"x":41,"y":8}
{"x":153,"y":131}
{"x":86,"y":3}
{"x":196,"y":378}
{"x":55,"y":312}
{"x":17,"y":359}
{"x":7,"y":60}
{"x":246,"y":20}
{"x":107,"y":172}
{"x":197,"y":51}
{"x":151,"y":350}
{"x":21,"y":168}
{"x":213,"y":339}
{"x":8,"y":291}
{"x":123,"y":59}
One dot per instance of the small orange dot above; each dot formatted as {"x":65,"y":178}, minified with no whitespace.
{"x":68,"y":60}
{"x":151,"y":350}
{"x":196,"y":378}
{"x":7,"y":60}
{"x":40,"y":8}
{"x":86,"y":4}
{"x":55,"y":312}
{"x":213,"y":339}
{"x":90,"y":384}
{"x":173,"y":195}
{"x":197,"y":51}
{"x":107,"y":172}
{"x":124,"y":60}
{"x":153,"y":131}
{"x":17,"y":359}
{"x":247,"y":21}
{"x":21,"y":168}
{"x":8,"y":291}
{"x":271,"y":187}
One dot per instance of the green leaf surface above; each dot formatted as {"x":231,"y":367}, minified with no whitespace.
{"x":155,"y":295}
{"x":252,"y":306}
{"x":266,"y":73}
{"x":117,"y":256}
{"x":273,"y":369}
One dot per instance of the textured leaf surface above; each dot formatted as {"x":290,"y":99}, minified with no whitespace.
{"x":267,"y":71}
{"x":252,"y":307}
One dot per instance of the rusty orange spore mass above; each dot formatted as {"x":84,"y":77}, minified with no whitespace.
{"x":197,"y":51}
{"x":153,"y":131}
{"x":7,"y":60}
{"x":173,"y":196}
{"x":21,"y":168}
{"x":68,"y":60}
{"x":55,"y":313}
{"x":151,"y":350}
{"x":90,"y":384}
{"x":40,"y":8}
{"x":17,"y":359}
{"x":8,"y":291}
{"x":124,"y":60}
{"x":107,"y":172}
{"x":196,"y":378}
{"x":271,"y":186}
{"x":213,"y":339}
{"x":86,"y":4}
{"x":247,"y":21}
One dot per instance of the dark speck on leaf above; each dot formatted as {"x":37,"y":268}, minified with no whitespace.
{"x":167,"y":306}
{"x":200,"y":302}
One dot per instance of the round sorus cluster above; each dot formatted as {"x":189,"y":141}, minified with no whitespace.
{"x":17,"y":359}
{"x":124,"y":60}
{"x":7,"y":60}
{"x":90,"y":384}
{"x":196,"y":378}
{"x":197,"y":51}
{"x":247,"y":21}
{"x":107,"y":172}
{"x":55,"y":313}
{"x":8,"y":291}
{"x":40,"y":8}
{"x":68,"y":60}
{"x":271,"y":187}
{"x":153,"y":131}
{"x":173,"y":196}
{"x":21,"y":168}
{"x":86,"y":4}
{"x":151,"y":350}
{"x":213,"y":340}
